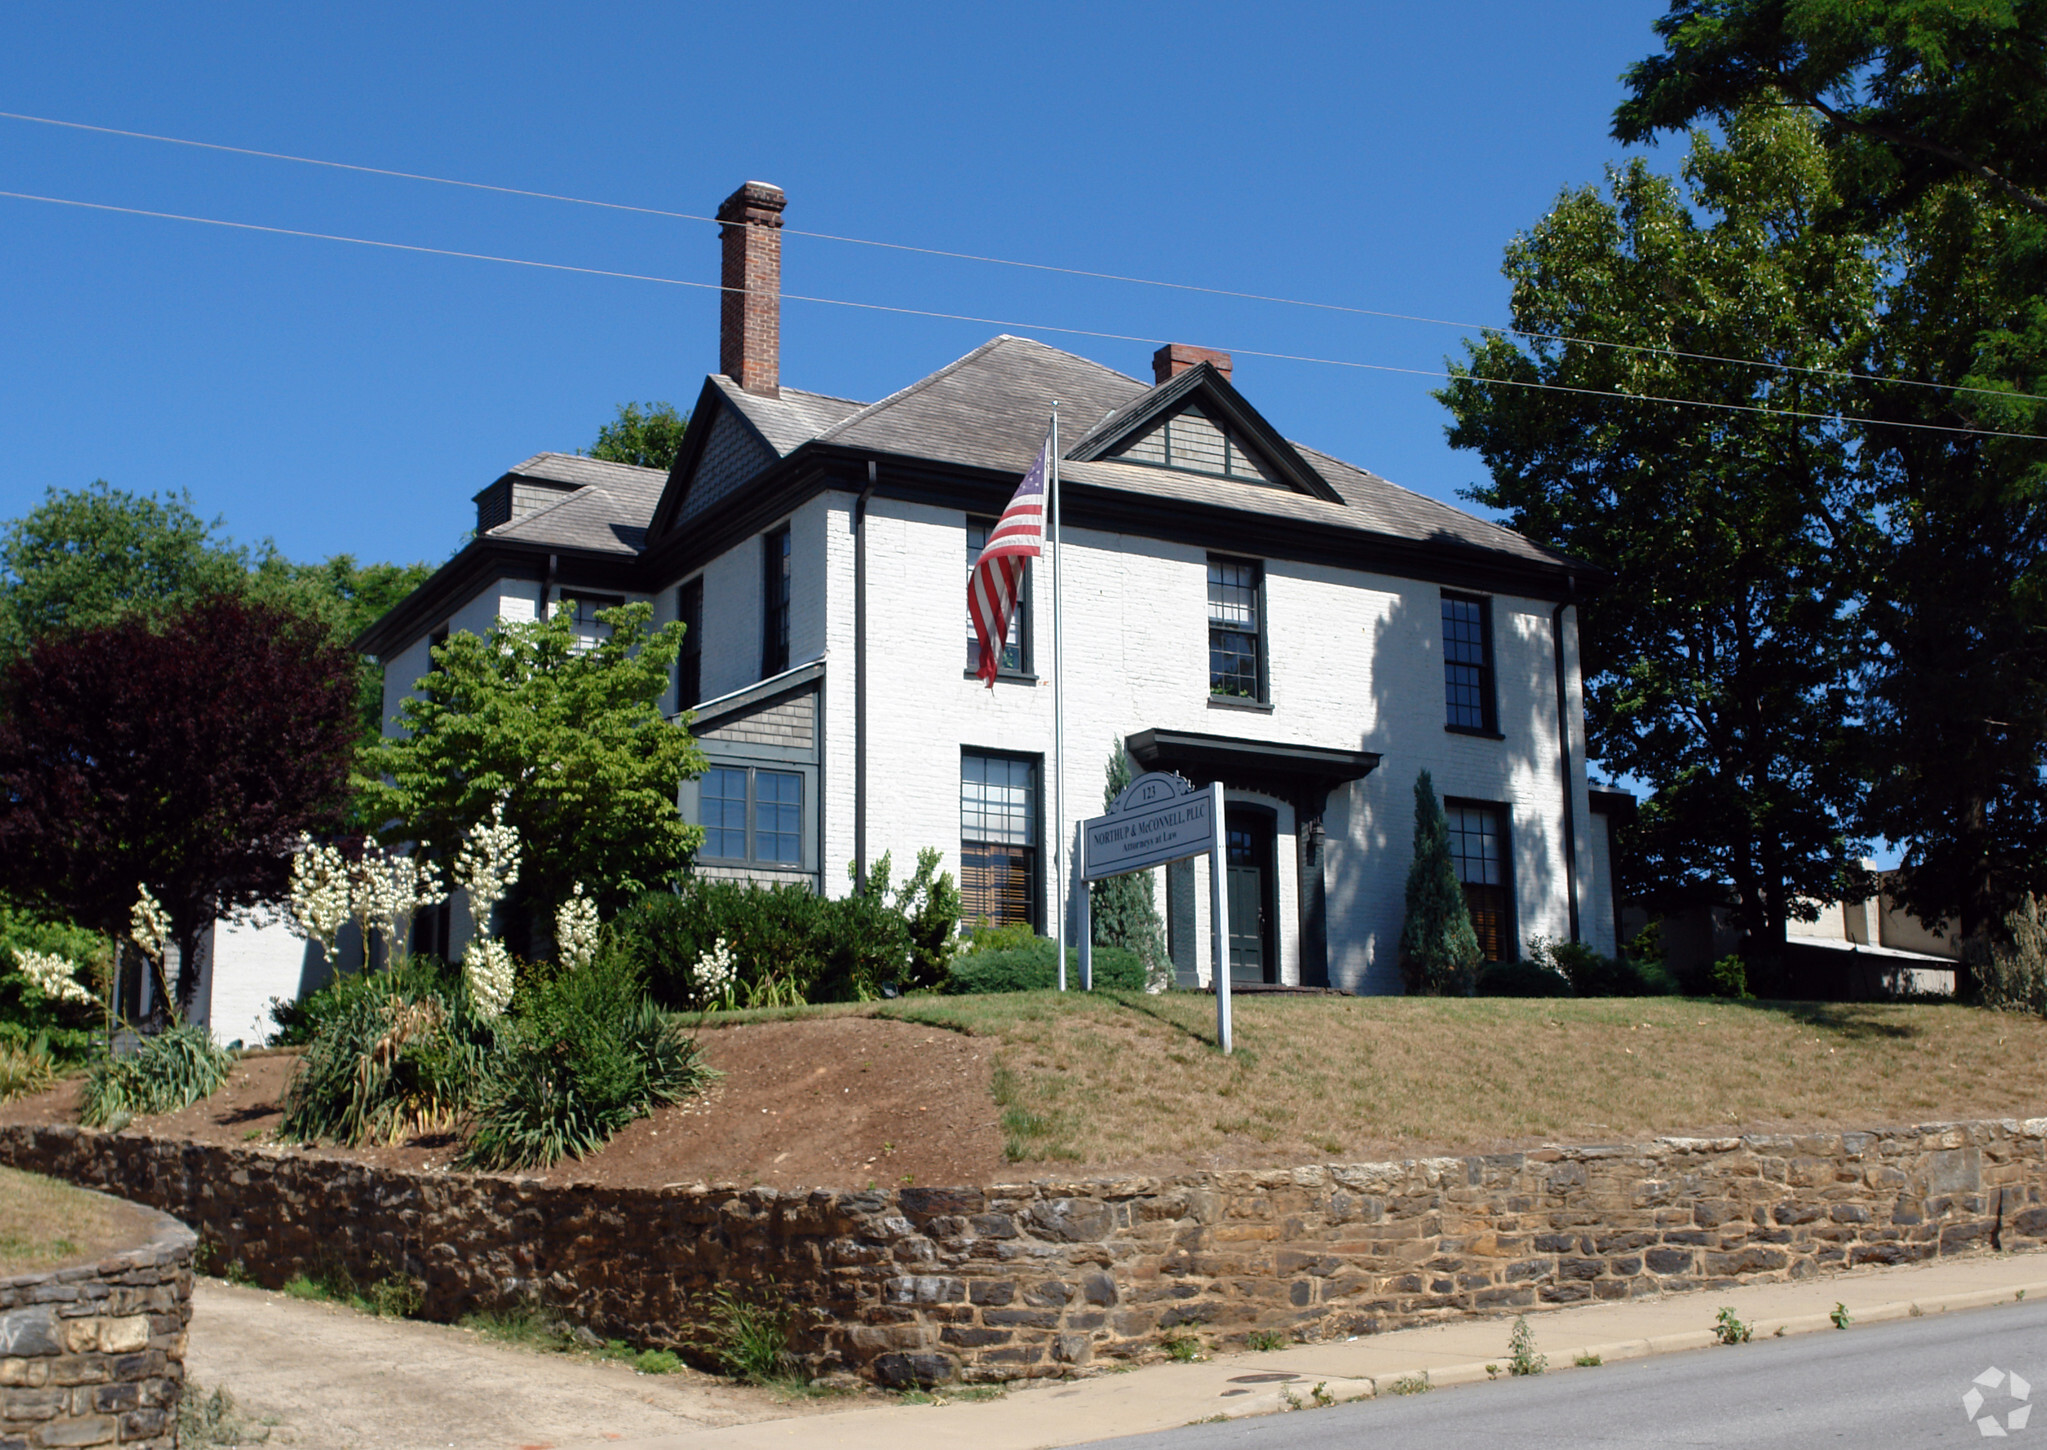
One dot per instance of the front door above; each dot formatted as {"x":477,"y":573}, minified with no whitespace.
{"x":1252,"y":830}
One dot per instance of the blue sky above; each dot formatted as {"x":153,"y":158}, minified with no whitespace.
{"x":339,"y":398}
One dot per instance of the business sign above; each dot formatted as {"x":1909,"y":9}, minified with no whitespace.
{"x":1158,"y":818}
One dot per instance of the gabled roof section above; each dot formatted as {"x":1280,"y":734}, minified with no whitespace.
{"x":592,"y":519}
{"x":734,"y":434}
{"x":989,"y":409}
{"x":1202,"y":392}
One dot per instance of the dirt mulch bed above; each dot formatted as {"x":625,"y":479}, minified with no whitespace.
{"x":832,"y":1103}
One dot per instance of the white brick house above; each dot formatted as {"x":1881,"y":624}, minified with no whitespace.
{"x":1236,"y":607}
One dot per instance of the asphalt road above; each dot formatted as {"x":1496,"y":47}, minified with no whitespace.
{"x":1888,"y":1385}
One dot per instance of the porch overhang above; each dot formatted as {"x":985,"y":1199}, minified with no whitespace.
{"x":1302,"y":774}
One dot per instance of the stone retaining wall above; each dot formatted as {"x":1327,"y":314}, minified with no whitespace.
{"x":95,"y":1354}
{"x":1041,"y":1278}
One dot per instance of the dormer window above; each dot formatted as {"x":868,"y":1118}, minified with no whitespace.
{"x":1192,"y":442}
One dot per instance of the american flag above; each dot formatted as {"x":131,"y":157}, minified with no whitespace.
{"x":997,"y":581}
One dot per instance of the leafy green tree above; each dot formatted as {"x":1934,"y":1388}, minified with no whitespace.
{"x":1721,"y":652}
{"x":571,"y":738}
{"x":1123,"y":910}
{"x":1438,"y":949}
{"x":1922,"y":92}
{"x":1934,"y":118}
{"x":88,"y":556}
{"x":649,"y":435}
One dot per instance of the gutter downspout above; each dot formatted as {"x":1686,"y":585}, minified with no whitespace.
{"x":860,"y":681}
{"x":1556,"y":634}
{"x":547,"y":583}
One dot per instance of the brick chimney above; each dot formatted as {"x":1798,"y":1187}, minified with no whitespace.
{"x":1176,"y":357}
{"x":750,"y":316}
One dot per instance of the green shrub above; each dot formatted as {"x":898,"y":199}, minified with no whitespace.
{"x":1034,"y":968}
{"x":987,"y":937}
{"x":391,"y":1054}
{"x":1439,"y":950}
{"x":1728,"y":977}
{"x":825,"y":951}
{"x":169,"y":1071}
{"x":2011,"y":973}
{"x":69,"y":1030}
{"x":585,"y":1053}
{"x":1592,"y":975}
{"x":1520,"y":979}
{"x":749,"y":1341}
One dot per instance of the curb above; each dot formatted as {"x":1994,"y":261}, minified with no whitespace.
{"x":1446,"y":1376}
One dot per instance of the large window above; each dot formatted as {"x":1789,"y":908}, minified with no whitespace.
{"x":775,"y":602}
{"x":689,"y":667}
{"x":1468,"y":663}
{"x":998,"y":839}
{"x":1236,"y":630}
{"x":752,"y":816}
{"x":1016,"y":657}
{"x":1478,"y":844}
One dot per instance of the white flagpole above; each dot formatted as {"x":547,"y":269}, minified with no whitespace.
{"x":1058,"y":711}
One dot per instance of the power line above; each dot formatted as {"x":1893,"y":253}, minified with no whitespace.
{"x":1021,"y":326}
{"x":1338,"y":307}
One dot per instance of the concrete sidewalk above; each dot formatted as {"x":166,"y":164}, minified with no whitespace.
{"x":1164,"y":1396}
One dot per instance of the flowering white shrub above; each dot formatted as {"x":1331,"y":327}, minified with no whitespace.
{"x":386,"y":889}
{"x":54,"y":976}
{"x":487,"y":967}
{"x":150,"y":925}
{"x":575,"y":931}
{"x":319,"y":905}
{"x":715,"y":975}
{"x":486,"y":866}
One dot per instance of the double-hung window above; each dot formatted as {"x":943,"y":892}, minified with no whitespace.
{"x":775,"y":602}
{"x":1016,"y":655}
{"x":589,"y":632}
{"x":752,"y":816}
{"x":1468,"y":664}
{"x":1478,"y":844}
{"x":998,"y":839}
{"x":689,"y":666}
{"x":1236,"y":629}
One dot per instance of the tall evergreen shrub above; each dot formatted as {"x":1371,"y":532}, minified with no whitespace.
{"x":1438,"y":948}
{"x":1123,"y":911}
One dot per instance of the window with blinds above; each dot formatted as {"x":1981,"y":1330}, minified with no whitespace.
{"x":999,"y":839}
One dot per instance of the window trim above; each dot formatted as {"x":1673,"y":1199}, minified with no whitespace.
{"x":1510,"y":934}
{"x":1263,"y":698}
{"x":690,"y":659}
{"x":1024,"y":673}
{"x":1034,"y":915}
{"x":752,"y":860}
{"x":774,"y":640}
{"x":1489,"y":711}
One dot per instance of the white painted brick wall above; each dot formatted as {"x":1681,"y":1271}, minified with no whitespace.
{"x":1356,"y":663}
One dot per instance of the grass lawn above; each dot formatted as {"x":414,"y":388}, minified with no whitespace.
{"x":45,"y":1224}
{"x":1127,"y":1080}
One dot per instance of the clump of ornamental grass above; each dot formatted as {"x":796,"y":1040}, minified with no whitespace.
{"x":26,"y":1068}
{"x":391,"y":1055}
{"x":172,"y":1070}
{"x":583,"y":1053}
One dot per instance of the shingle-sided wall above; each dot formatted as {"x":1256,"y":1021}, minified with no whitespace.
{"x":1356,"y":663}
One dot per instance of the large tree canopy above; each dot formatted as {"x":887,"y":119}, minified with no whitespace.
{"x":1934,"y":115}
{"x":185,"y":752}
{"x":93,"y":555}
{"x":1721,"y":649}
{"x":572,"y":739}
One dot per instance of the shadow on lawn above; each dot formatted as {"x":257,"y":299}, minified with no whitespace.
{"x":1855,"y":1021}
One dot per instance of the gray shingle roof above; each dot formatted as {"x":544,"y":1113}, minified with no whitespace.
{"x":593,"y":519}
{"x":790,"y":421}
